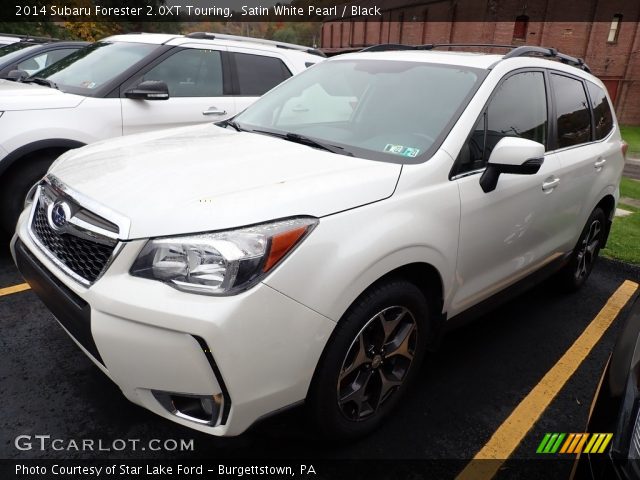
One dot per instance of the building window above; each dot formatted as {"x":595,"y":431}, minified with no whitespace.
{"x":520,"y":27}
{"x":615,"y":28}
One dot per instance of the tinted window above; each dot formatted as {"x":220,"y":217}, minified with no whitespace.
{"x":37,"y":63}
{"x":574,"y":119}
{"x":603,"y":118}
{"x":190,"y":73}
{"x":518,"y":108}
{"x":257,"y":74}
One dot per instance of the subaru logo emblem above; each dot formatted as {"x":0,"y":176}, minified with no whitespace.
{"x":59,"y":215}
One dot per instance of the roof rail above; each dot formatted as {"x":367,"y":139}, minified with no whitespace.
{"x":429,"y":46}
{"x":238,"y":38}
{"x":28,"y":38}
{"x":516,"y":51}
{"x":526,"y":50}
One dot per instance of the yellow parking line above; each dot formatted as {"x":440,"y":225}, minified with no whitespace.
{"x":509,"y":435}
{"x":14,"y":289}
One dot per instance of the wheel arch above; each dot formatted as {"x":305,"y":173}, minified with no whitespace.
{"x":52,"y":145}
{"x":608,"y":206}
{"x":428,"y":279}
{"x":430,"y":282}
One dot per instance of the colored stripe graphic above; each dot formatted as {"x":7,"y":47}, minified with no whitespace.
{"x":567,"y":443}
{"x":605,"y":442}
{"x":575,"y":443}
{"x":583,"y":439}
{"x":543,"y":443}
{"x":550,"y":443}
{"x":556,"y":446}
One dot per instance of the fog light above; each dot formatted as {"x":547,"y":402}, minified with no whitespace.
{"x":202,"y":409}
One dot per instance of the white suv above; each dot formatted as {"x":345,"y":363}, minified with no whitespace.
{"x":314,"y":247}
{"x":128,"y":84}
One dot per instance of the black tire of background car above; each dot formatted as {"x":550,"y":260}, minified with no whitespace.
{"x":322,"y":403}
{"x":16,"y":183}
{"x":566,"y":279}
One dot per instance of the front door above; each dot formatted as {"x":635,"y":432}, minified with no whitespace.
{"x":196,"y":82}
{"x":509,"y":232}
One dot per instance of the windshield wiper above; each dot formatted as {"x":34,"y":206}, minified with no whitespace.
{"x":230,"y":123}
{"x":310,"y":142}
{"x":41,"y":81}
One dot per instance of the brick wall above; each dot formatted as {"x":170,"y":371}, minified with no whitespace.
{"x":617,"y":64}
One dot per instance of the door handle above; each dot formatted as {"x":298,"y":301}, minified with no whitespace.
{"x":600,"y":163}
{"x":214,"y":111}
{"x":550,"y":184}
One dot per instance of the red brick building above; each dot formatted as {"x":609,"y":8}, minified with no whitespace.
{"x":605,"y":33}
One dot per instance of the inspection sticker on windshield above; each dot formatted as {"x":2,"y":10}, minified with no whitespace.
{"x":402,"y":150}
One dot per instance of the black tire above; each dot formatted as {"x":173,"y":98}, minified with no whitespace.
{"x":576,"y":272}
{"x":15,"y":186}
{"x":340,"y":415}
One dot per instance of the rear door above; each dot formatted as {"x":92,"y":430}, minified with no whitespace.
{"x":583,"y":149}
{"x":509,"y":232}
{"x":199,"y":90}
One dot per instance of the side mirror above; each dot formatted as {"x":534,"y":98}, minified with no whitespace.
{"x":17,"y":75}
{"x":149,"y":90}
{"x":513,"y":155}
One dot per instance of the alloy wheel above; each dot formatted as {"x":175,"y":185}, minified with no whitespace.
{"x":377,"y":362}
{"x":588,"y":250}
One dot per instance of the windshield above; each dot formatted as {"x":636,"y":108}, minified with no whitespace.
{"x":9,"y":52}
{"x":93,"y":66}
{"x":387,"y":110}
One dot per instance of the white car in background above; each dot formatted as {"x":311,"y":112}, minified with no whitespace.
{"x":9,"y":39}
{"x":130,"y":84}
{"x":314,"y":247}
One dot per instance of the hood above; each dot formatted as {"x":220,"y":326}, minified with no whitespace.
{"x":205,"y":178}
{"x":29,"y":96}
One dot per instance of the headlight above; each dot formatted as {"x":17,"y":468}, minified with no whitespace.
{"x":221,"y":263}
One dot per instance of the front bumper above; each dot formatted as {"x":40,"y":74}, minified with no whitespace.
{"x":258,"y":349}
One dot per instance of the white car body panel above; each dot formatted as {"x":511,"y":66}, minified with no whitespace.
{"x":264,"y":178}
{"x":15,"y":96}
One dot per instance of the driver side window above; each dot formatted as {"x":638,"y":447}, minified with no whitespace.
{"x":190,"y":73}
{"x":518,"y":108}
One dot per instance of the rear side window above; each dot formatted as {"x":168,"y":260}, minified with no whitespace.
{"x":518,"y":109}
{"x":574,"y":118}
{"x":258,"y":74}
{"x":602,"y":115}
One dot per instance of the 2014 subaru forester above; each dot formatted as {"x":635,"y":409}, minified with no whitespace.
{"x":315,"y":246}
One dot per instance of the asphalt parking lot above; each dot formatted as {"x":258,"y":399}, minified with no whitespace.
{"x":471,"y":385}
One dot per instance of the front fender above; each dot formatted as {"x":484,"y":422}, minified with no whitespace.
{"x":349,"y":251}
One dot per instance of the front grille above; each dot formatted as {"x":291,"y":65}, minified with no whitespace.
{"x":85,"y":258}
